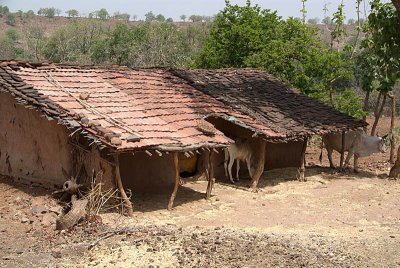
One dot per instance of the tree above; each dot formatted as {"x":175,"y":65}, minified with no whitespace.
{"x":327,"y":20}
{"x":10,"y":19}
{"x":351,"y":22}
{"x":380,"y":61}
{"x":4,"y":10}
{"x":313,"y":21}
{"x":196,"y":18}
{"x":58,"y":11}
{"x":183,"y":17}
{"x":8,"y":45}
{"x":102,"y":14}
{"x":249,"y":36}
{"x":339,"y":32}
{"x":303,"y":11}
{"x":160,"y":17}
{"x":149,"y":16}
{"x":72,"y":13}
{"x":12,"y":34}
{"x":29,"y":14}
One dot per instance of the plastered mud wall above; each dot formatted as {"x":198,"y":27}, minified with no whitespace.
{"x":35,"y":149}
{"x":31,"y":147}
{"x":147,"y":174}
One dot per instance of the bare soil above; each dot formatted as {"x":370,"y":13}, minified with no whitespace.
{"x":331,"y":220}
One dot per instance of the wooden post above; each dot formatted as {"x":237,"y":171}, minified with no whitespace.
{"x":301,"y":170}
{"x":342,"y":150}
{"x":211,"y":179}
{"x":260,"y":167}
{"x":127,"y":202}
{"x":392,"y":119}
{"x":177,"y":178}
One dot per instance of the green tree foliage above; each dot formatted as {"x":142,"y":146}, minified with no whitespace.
{"x":4,"y":10}
{"x":11,"y":19}
{"x":102,"y":14}
{"x":303,"y":11}
{"x":183,"y":17}
{"x":248,"y":36}
{"x":149,"y":16}
{"x":29,"y":14}
{"x":47,"y":12}
{"x":196,"y":18}
{"x":146,"y":45}
{"x":8,"y":45}
{"x":121,"y":16}
{"x":339,"y":32}
{"x":72,"y":13}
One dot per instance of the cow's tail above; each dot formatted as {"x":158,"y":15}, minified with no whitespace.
{"x":320,"y":155}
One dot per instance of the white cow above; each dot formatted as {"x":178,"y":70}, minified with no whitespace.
{"x":239,"y":151}
{"x":357,"y":143}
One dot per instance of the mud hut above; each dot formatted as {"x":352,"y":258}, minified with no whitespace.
{"x":143,"y":128}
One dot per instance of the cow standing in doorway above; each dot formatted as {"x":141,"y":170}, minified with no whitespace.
{"x":239,"y":151}
{"x":357,"y":144}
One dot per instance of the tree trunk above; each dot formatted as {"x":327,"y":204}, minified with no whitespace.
{"x":396,"y":4}
{"x":366,"y":107}
{"x":77,"y":212}
{"x":392,"y":96}
{"x":378,"y":112}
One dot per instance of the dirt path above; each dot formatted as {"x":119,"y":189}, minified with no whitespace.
{"x":332,"y":220}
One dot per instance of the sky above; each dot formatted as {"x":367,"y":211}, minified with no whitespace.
{"x":175,"y":8}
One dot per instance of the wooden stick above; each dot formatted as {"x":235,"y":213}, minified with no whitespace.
{"x":301,"y":170}
{"x":211,"y":179}
{"x":342,"y":150}
{"x":392,"y":119}
{"x":127,"y":202}
{"x":177,"y":179}
{"x":260,"y":167}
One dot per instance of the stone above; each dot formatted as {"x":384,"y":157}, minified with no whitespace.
{"x":24,"y":220}
{"x":39,"y":210}
{"x":84,"y":96}
{"x":116,"y":141}
{"x":49,"y":219}
{"x":56,"y":209}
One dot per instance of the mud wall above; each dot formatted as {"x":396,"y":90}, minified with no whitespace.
{"x":143,"y":173}
{"x":31,"y":147}
{"x":281,"y":155}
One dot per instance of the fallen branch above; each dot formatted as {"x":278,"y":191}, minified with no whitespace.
{"x":110,"y":234}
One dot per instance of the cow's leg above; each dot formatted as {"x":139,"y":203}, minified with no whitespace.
{"x":356,"y":163}
{"x":237,"y":169}
{"x":330,"y":151}
{"x":226,"y":162}
{"x":349,"y":155}
{"x":248,"y":162}
{"x":230,"y":164}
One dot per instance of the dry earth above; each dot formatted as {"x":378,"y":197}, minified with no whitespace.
{"x":331,"y":220}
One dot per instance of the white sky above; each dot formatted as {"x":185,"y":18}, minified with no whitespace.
{"x":175,"y":8}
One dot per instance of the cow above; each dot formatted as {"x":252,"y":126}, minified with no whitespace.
{"x":357,"y":143}
{"x":239,"y":151}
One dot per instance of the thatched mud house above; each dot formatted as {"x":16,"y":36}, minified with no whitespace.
{"x":144,"y":128}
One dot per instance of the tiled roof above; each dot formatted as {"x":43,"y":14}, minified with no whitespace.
{"x":272,"y":103}
{"x":162,"y":109}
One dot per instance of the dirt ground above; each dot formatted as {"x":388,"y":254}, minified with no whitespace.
{"x":331,"y":220}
